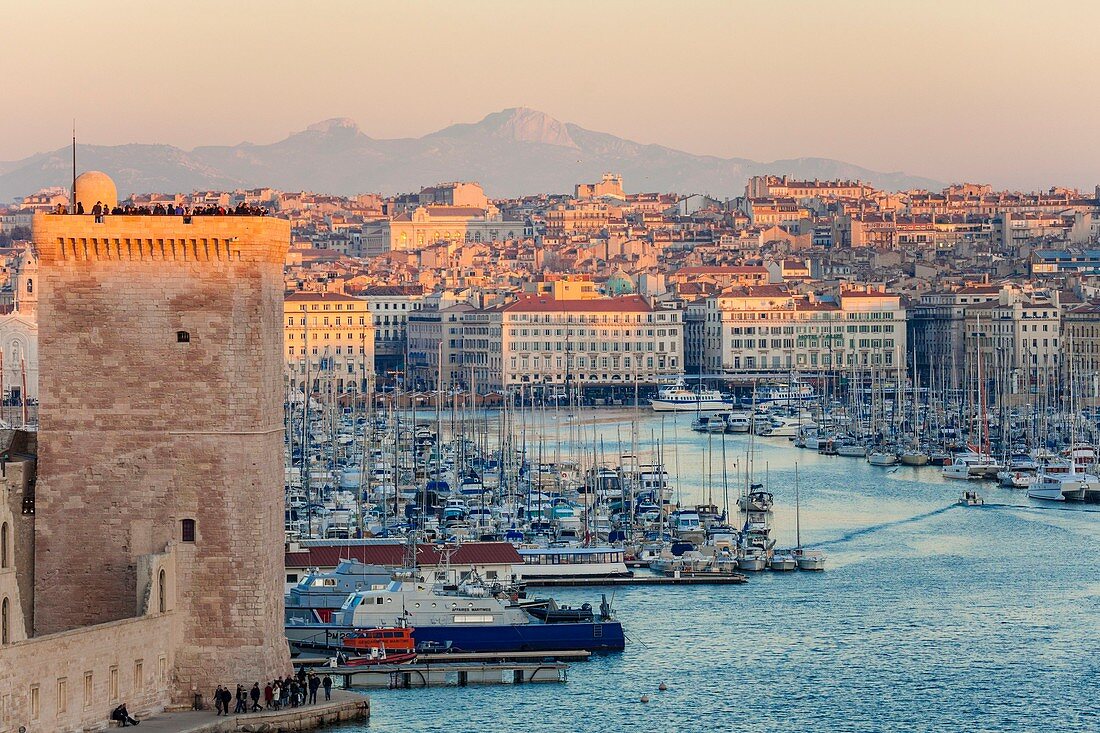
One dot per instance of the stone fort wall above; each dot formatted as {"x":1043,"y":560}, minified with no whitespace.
{"x":161,"y":406}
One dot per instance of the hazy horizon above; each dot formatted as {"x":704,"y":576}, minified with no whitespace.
{"x":984,"y":91}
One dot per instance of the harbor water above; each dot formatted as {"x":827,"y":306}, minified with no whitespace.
{"x":930,"y":616}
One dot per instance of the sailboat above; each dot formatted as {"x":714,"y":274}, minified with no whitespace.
{"x":806,"y":559}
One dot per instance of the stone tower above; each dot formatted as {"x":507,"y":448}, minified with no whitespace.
{"x":161,"y":427}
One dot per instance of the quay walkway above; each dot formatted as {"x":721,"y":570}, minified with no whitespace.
{"x":344,"y":706}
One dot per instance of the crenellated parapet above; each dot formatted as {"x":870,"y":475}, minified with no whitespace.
{"x":74,"y":238}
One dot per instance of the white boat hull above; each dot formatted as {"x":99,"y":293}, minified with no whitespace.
{"x":660,"y":405}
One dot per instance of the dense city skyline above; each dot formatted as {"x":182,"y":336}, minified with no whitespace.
{"x":849,"y":81}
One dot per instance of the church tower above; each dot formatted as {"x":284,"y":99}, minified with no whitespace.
{"x":161,"y":430}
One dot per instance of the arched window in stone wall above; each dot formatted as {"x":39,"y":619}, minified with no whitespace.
{"x":5,"y":635}
{"x":5,"y":560}
{"x":30,"y":285}
{"x":187,"y":530}
{"x":162,"y":591}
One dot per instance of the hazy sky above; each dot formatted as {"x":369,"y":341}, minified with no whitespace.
{"x":1001,"y":91}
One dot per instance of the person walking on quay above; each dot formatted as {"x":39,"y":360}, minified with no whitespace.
{"x":314,"y":683}
{"x":326,"y":682}
{"x":276,"y":694}
{"x":284,"y":693}
{"x":254,"y":693}
{"x":242,"y":701}
{"x":269,"y":696}
{"x":218,"y":702}
{"x":294,"y":689}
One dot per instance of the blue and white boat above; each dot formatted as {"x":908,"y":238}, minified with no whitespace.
{"x":469,"y":618}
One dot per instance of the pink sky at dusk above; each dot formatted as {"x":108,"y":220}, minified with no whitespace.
{"x":1001,"y":92}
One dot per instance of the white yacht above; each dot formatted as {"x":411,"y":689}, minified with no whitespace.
{"x":1057,"y":486}
{"x":739,"y":422}
{"x":967,"y":466}
{"x":882,"y":457}
{"x":783,"y":427}
{"x":678,"y":398}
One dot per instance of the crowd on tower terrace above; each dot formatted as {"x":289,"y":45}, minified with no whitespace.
{"x":100,"y":210}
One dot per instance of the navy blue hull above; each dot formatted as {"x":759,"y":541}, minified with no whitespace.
{"x":563,"y":637}
{"x":593,"y":637}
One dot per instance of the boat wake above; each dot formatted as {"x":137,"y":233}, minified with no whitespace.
{"x":857,"y":533}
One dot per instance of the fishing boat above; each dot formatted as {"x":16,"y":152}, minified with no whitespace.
{"x":679,"y":398}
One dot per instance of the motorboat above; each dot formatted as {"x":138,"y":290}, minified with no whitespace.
{"x":752,"y":559}
{"x":1070,"y":486}
{"x":809,"y":559}
{"x":782,"y":561}
{"x":739,"y":422}
{"x":968,"y":466}
{"x":850,"y":449}
{"x":782,"y":427}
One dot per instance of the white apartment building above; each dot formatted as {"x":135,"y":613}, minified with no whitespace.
{"x":1017,"y":337}
{"x":592,"y":341}
{"x":390,"y":306}
{"x":769,"y":329}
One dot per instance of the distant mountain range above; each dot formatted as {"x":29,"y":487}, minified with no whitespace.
{"x":512,"y":152}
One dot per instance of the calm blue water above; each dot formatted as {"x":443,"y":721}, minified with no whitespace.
{"x":930,"y":617}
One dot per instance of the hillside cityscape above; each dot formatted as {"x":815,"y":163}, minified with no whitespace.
{"x":460,"y":367}
{"x":442,"y":264}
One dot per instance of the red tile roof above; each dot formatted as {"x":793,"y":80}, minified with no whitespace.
{"x":310,"y":296}
{"x":547,"y":304}
{"x":472,"y":553}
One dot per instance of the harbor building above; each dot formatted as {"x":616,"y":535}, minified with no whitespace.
{"x":427,"y":225}
{"x":768,"y":330}
{"x":936,"y":325}
{"x":605,"y":341}
{"x":329,"y":337}
{"x":148,"y":569}
{"x":1016,"y":338}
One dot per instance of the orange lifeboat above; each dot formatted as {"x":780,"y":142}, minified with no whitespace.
{"x":386,"y":645}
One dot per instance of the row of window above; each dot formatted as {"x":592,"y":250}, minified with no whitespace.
{"x":580,"y":362}
{"x":570,"y":318}
{"x":592,"y":346}
{"x":325,"y":321}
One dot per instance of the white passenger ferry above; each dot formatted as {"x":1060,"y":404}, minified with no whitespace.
{"x":678,"y":398}
{"x":572,"y":562}
{"x":782,"y":393}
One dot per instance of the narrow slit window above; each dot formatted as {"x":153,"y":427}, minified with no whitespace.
{"x":183,"y":337}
